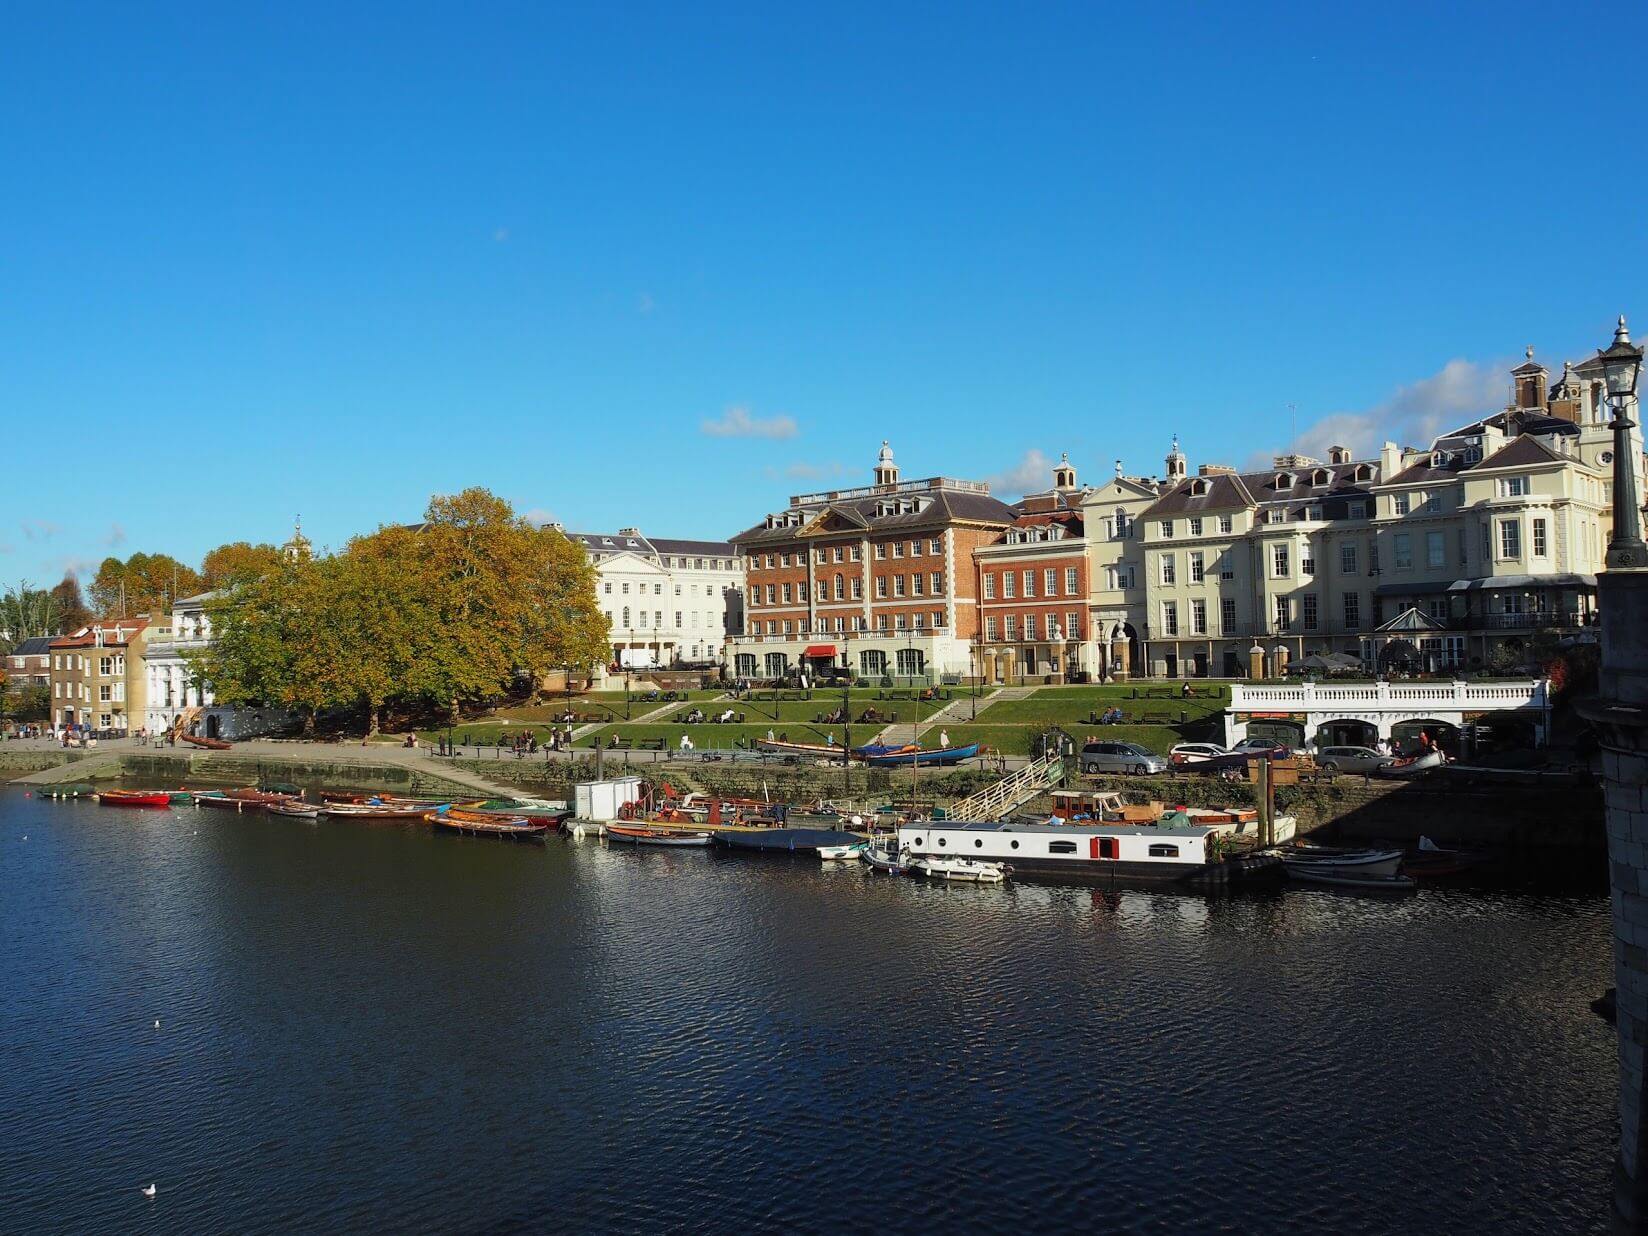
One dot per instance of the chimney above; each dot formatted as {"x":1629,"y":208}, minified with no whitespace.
{"x":1390,"y":460}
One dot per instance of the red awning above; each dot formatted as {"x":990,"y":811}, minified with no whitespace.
{"x":820,"y":650}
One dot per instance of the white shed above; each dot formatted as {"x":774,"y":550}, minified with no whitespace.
{"x":600,"y":800}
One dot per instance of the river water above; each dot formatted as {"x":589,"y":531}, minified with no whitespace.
{"x":372,"y":1028}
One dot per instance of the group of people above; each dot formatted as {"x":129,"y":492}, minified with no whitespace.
{"x":1111,"y":716}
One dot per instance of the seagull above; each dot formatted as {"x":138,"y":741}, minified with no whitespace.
{"x":149,"y":1191}
{"x":157,"y":1023}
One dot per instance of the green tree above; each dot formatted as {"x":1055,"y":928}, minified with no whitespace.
{"x":142,"y":584}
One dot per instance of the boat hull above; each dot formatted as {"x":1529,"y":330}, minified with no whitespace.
{"x":938,"y":757}
{"x":1372,"y":864}
{"x":134,"y":798}
{"x":477,"y":824}
{"x":640,"y":835}
{"x":785,"y":840}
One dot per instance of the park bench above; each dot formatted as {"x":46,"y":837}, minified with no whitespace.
{"x":619,"y":744}
{"x":653,"y":744}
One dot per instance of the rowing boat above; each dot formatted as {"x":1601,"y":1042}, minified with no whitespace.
{"x":135,"y":798}
{"x":477,"y":824}
{"x":641,"y":834}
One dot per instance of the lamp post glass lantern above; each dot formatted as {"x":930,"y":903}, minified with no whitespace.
{"x":1621,"y":364}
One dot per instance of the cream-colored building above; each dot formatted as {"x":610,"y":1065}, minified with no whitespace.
{"x":1453,"y":556}
{"x":169,"y":686}
{"x":97,"y":676}
{"x":668,"y":602}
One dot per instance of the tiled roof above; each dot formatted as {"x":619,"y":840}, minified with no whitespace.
{"x":86,"y":636}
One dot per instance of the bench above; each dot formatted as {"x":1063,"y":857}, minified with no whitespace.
{"x":653,"y":744}
{"x":619,"y":744}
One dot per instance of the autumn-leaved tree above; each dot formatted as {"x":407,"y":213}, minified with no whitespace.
{"x":236,"y":560}
{"x":71,"y":612}
{"x":142,"y":584}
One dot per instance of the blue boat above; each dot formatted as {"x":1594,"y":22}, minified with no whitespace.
{"x":787,"y":840}
{"x":878,"y":755}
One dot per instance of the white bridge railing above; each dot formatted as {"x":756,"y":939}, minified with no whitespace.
{"x":1390,"y":696}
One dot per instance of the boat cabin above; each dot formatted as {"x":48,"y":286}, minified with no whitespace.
{"x":1069,"y":851}
{"x":1095,"y":806}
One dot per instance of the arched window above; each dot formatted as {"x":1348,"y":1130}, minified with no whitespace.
{"x":840,"y":588}
{"x":626,"y":617}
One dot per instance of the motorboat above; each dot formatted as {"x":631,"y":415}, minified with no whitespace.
{"x":1413,"y":765}
{"x":943,"y":867}
{"x":884,"y":854}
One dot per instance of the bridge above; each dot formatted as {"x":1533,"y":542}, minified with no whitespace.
{"x":1375,"y":709}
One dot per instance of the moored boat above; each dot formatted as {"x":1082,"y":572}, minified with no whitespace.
{"x":238,"y":800}
{"x":380,"y":811}
{"x":971,"y":870}
{"x":75,"y":789}
{"x":883,"y":854}
{"x":643,"y":834}
{"x":841,"y":853}
{"x":1323,"y":864}
{"x":135,"y":798}
{"x":1085,"y":853}
{"x":478,"y":824}
{"x":292,"y":807}
{"x":784,"y":840}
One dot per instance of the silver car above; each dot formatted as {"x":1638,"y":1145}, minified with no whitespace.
{"x":1120,"y":757}
{"x":1351,"y":759}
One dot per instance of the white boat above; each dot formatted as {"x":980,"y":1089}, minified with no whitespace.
{"x":836,"y":853}
{"x":885,"y":854}
{"x":1325,"y":865}
{"x":1386,"y":884}
{"x":1412,"y":766}
{"x":1059,"y":851}
{"x":939,"y":867}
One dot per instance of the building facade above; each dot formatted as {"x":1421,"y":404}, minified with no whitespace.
{"x":28,"y":664}
{"x":169,"y":687}
{"x":879,"y":580}
{"x":668,"y":602}
{"x":97,"y":676}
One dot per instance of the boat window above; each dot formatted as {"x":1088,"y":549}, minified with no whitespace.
{"x":1015,"y":845}
{"x":978,"y":843}
{"x":1164,"y":851}
{"x":942,"y":841}
{"x":1061,"y":847}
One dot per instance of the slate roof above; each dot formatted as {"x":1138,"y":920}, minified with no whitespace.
{"x":940,"y":508}
{"x":1224,"y":491}
{"x":1522,"y":452}
{"x":649,"y":547}
{"x":34,"y":646}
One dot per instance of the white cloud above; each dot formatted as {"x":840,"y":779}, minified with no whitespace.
{"x":1030,"y":475}
{"x":116,"y":535}
{"x":539,"y":516}
{"x":736,"y":422}
{"x":79,"y":566}
{"x":1458,"y":393}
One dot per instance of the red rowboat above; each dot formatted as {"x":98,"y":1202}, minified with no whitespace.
{"x":211,"y":744}
{"x":135,"y":798}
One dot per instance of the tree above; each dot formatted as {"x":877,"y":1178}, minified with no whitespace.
{"x":72,"y":613}
{"x":143,"y":583}
{"x":26,"y":612}
{"x":238,"y":559}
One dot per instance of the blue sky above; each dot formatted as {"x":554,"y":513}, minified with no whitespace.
{"x":332,"y":259}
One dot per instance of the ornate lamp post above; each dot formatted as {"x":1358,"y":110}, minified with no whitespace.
{"x":1621,"y":362}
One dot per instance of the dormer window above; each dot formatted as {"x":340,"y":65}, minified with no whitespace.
{"x":1439,"y":459}
{"x":1198,"y":487}
{"x":1364,"y":472}
{"x":1284,"y":480}
{"x":1321,"y":477}
{"x":1473,"y":454}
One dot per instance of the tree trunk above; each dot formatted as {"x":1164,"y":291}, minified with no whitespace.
{"x":308,"y":722}
{"x":455,"y":718}
{"x":372,"y":730}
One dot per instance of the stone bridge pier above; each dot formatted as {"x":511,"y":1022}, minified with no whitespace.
{"x":1621,"y":720}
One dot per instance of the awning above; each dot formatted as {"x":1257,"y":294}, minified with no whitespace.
{"x":1524,"y":582}
{"x":820,"y":650}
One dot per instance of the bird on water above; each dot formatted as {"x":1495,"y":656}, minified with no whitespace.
{"x":149,"y":1191}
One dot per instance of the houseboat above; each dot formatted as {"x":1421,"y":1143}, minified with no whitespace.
{"x":1090,"y":853}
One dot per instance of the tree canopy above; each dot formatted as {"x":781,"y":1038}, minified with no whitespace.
{"x":227,"y":563}
{"x":451,"y":612}
{"x":143,"y":583}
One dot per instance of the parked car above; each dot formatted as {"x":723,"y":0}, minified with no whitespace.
{"x":1263,"y":746}
{"x":1120,"y":757}
{"x":1352,"y":759}
{"x":1196,"y":752}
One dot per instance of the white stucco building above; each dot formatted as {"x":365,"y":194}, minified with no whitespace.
{"x":170,"y":687}
{"x":669,"y":602}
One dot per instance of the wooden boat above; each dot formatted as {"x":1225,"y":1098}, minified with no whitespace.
{"x":381,"y":811}
{"x":878,"y":756}
{"x":238,"y":800}
{"x":135,"y":798}
{"x":281,"y":787}
{"x":1324,"y":865}
{"x":479,"y":824}
{"x":808,"y":750}
{"x":1382,"y":884}
{"x":182,"y":798}
{"x":307,"y":811}
{"x":1429,"y":861}
{"x":642,"y":834}
{"x":971,"y":870}
{"x":1412,"y":766}
{"x":211,"y":744}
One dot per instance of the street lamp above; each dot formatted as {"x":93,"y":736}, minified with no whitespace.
{"x":1621,"y":363}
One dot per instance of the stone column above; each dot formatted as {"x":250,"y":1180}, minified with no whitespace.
{"x":1621,"y":719}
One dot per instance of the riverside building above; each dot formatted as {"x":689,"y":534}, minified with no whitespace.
{"x":667,"y":601}
{"x":97,"y":675}
{"x":879,"y":580}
